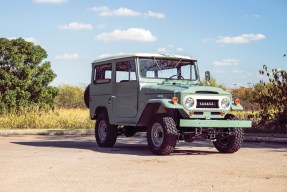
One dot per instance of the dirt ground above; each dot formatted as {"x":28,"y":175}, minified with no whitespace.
{"x":69,"y":163}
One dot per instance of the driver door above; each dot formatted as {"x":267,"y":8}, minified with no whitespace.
{"x":125,"y":90}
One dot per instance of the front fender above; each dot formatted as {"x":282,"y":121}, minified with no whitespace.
{"x":167,"y":103}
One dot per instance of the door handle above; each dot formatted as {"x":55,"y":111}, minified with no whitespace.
{"x":110,"y":99}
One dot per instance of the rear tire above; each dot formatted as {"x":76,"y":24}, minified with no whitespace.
{"x":87,"y":96}
{"x":105,"y":133}
{"x":162,"y":135}
{"x":230,"y":143}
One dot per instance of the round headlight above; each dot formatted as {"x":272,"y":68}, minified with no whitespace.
{"x":225,"y":103}
{"x":188,"y":102}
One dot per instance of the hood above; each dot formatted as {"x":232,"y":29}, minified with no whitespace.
{"x":184,"y":89}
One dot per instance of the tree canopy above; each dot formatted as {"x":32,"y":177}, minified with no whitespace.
{"x":24,"y":76}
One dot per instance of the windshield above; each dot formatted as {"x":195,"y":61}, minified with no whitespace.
{"x":167,"y":69}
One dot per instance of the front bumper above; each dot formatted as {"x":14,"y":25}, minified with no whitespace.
{"x":215,"y":123}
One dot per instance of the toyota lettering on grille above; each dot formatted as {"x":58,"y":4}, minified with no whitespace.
{"x":206,"y":103}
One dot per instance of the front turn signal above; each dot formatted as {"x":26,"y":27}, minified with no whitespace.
{"x":237,"y":101}
{"x":174,"y":100}
{"x":191,"y":113}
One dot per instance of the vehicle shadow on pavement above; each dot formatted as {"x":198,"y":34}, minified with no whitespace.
{"x":127,"y":147}
{"x":138,"y":145}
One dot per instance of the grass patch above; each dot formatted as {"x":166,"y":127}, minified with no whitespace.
{"x":58,"y":119}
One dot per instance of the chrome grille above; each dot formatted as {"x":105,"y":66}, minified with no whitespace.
{"x":206,"y":103}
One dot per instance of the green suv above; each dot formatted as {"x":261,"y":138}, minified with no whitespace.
{"x":161,"y":95}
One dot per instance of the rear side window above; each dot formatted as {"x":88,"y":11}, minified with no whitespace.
{"x":125,"y":71}
{"x":103,"y":73}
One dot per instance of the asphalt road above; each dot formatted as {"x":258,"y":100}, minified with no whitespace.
{"x":69,"y":163}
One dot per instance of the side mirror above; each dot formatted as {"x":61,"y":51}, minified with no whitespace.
{"x":207,"y":76}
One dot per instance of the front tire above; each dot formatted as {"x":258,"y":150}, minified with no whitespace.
{"x":230,"y":143}
{"x":106,"y":134}
{"x":162,"y":135}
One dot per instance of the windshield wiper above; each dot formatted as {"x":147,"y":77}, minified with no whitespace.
{"x":178,"y":63}
{"x":157,"y":64}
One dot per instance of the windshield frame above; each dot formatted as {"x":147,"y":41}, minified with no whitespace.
{"x":177,"y":61}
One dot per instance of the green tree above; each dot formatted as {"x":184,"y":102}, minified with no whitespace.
{"x":70,"y":97}
{"x":212,"y":82}
{"x":24,"y":76}
{"x":272,"y":97}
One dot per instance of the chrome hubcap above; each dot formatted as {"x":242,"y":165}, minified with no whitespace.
{"x":102,"y":130}
{"x":157,"y":135}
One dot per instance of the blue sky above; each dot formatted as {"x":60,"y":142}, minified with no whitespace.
{"x":231,"y":38}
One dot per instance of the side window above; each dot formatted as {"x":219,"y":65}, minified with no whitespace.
{"x":103,"y":73}
{"x":125,"y":71}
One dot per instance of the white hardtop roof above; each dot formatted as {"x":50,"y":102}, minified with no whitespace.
{"x":151,"y":55}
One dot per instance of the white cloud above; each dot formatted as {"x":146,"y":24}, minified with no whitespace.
{"x":125,"y":12}
{"x":179,"y":49}
{"x":226,"y":62}
{"x":76,"y":26}
{"x":131,"y":34}
{"x":161,"y":50}
{"x":244,"y":38}
{"x":105,"y":11}
{"x":155,"y":14}
{"x":50,"y":1}
{"x":67,"y":56}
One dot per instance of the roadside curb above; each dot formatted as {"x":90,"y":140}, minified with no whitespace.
{"x":92,"y":132}
{"x":265,"y":139}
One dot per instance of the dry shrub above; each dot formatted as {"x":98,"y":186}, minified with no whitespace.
{"x":58,"y":119}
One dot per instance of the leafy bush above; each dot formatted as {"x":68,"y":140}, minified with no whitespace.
{"x":70,"y":97}
{"x":272,"y":99}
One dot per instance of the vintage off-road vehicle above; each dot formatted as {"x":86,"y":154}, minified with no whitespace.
{"x":162,"y":95}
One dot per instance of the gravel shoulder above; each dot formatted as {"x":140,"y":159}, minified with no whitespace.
{"x":74,"y":163}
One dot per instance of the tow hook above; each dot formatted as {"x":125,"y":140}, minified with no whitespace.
{"x":212,"y":137}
